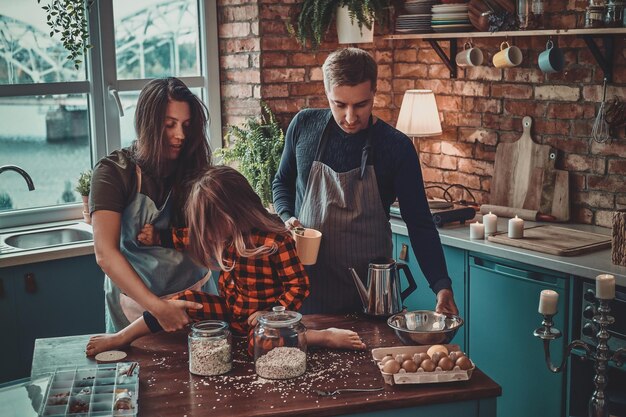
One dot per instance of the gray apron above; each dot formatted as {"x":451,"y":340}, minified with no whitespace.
{"x":164,"y":271}
{"x":347,"y":209}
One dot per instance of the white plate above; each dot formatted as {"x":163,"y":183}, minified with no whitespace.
{"x":454,"y":9}
{"x":450,"y":16}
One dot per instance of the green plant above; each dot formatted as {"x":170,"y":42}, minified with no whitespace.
{"x":314,"y":17}
{"x":83,"y":185}
{"x":69,"y":19}
{"x":256,"y":147}
{"x":5,"y":201}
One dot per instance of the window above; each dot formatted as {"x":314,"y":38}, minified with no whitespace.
{"x":57,"y":121}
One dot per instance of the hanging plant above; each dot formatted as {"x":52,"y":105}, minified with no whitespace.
{"x":69,"y":19}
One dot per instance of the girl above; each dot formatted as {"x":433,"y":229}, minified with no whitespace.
{"x":260,"y":269}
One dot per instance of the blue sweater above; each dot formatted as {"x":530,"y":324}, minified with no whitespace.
{"x":398,"y":174}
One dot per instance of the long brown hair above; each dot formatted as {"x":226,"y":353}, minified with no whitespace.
{"x":223,"y":209}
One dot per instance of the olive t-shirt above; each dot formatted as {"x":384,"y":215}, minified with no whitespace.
{"x":114,"y":183}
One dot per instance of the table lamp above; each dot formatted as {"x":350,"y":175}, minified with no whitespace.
{"x":419,"y":116}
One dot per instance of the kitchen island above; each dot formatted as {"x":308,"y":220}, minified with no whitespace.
{"x":168,"y":389}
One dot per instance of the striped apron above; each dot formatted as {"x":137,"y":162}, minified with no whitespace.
{"x":347,"y":209}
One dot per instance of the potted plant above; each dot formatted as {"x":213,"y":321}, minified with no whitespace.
{"x":83,"y":186}
{"x":256,"y":148}
{"x":314,"y":17}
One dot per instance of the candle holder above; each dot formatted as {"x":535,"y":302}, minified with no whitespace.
{"x":598,"y":405}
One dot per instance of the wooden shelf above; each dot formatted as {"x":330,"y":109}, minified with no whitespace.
{"x":512,"y":34}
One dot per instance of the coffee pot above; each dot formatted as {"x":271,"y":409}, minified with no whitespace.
{"x":382,"y":296}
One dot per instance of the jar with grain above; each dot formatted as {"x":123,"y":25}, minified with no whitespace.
{"x":280,"y":345}
{"x":210,"y":348}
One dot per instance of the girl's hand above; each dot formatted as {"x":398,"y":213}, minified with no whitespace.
{"x":149,"y":236}
{"x":253,"y":318}
{"x":172,"y":314}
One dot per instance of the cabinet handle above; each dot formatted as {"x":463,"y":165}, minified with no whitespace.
{"x":403,"y":252}
{"x":30,"y":285}
{"x":1,"y":288}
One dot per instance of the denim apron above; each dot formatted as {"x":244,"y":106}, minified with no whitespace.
{"x":347,"y":209}
{"x":164,"y":271}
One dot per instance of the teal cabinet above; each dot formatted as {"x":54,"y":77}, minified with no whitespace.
{"x":57,"y":298}
{"x":424,"y":298}
{"x":9,"y":348}
{"x":503,"y":302}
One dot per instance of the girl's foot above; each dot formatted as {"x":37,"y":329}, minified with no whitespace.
{"x":102,"y":343}
{"x":342,"y":339}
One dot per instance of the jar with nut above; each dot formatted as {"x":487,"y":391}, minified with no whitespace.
{"x":280,"y":345}
{"x":210,"y":348}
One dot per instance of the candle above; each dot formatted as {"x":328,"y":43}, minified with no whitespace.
{"x":516,"y":228}
{"x":477,"y":231}
{"x":605,"y":287}
{"x":547,"y":302}
{"x":491,"y":223}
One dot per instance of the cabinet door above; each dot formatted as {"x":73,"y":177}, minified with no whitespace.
{"x":58,"y":298}
{"x":503,"y":302}
{"x":423,"y":298}
{"x":9,"y":347}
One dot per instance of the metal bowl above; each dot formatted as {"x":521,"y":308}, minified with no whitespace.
{"x":425,"y":327}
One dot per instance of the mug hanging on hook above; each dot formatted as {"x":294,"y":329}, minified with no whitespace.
{"x":470,"y":56}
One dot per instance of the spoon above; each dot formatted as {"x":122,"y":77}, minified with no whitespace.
{"x":339,"y":391}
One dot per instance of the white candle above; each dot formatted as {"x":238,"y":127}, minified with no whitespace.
{"x":477,"y":231}
{"x":547,"y":302}
{"x":491,"y":223}
{"x":605,"y":287}
{"x":516,"y":228}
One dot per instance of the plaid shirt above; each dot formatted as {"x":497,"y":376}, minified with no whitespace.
{"x":260,"y":282}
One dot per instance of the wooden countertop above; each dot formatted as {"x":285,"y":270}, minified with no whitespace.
{"x":168,"y":389}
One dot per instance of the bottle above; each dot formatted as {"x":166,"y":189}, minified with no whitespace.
{"x":523,"y":13}
{"x":280,"y":345}
{"x":210,"y":348}
{"x":537,"y":14}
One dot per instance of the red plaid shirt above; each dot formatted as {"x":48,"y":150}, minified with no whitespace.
{"x":260,"y":282}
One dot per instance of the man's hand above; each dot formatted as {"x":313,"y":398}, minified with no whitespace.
{"x":292,"y":223}
{"x":254,"y":317}
{"x":172,"y":314}
{"x":445,"y":303}
{"x":149,"y":236}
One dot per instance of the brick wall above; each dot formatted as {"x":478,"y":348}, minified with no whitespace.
{"x":481,"y":108}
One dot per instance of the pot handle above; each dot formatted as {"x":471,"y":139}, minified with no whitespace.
{"x":409,"y":277}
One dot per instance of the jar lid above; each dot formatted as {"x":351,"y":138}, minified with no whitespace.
{"x":209,"y":327}
{"x":279,"y":317}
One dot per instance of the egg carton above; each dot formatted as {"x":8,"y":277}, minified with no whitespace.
{"x":421,"y":376}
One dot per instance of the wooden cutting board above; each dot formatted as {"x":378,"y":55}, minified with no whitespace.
{"x":515,"y":170}
{"x":555,"y":240}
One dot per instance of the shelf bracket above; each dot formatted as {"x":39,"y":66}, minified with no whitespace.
{"x":604,"y":61}
{"x":449,"y":61}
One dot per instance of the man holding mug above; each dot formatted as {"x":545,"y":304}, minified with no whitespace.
{"x":340,"y":171}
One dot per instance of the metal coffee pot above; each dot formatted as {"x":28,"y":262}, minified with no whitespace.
{"x":382,"y":296}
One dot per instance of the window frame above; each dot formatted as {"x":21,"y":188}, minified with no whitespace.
{"x":104,"y":123}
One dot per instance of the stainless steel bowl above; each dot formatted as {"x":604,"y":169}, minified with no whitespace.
{"x":427,"y":327}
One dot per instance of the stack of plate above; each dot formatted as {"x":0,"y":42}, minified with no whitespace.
{"x":419,"y":6}
{"x":413,"y":23}
{"x":451,"y":18}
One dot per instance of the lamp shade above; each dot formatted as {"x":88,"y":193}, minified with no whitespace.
{"x":418,"y":114}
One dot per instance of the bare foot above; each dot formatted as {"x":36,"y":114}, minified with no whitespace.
{"x":102,"y":343}
{"x":341,"y":339}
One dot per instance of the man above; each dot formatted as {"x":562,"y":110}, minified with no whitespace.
{"x":340,"y":171}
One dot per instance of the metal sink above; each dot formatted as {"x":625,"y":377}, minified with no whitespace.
{"x":45,"y":237}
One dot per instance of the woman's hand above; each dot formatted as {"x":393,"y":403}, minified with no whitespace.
{"x":445,"y":303}
{"x":149,"y":236}
{"x":172,"y":314}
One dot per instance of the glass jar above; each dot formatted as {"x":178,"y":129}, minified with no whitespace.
{"x":210,"y":348}
{"x":614,"y":14}
{"x":594,"y":17}
{"x":280,"y":345}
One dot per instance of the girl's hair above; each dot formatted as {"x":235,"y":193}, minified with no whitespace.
{"x":223,"y":209}
{"x":149,"y":147}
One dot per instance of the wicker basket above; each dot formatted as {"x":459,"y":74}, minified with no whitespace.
{"x":618,"y":253}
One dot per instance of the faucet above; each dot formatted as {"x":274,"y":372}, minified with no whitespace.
{"x":24,"y":174}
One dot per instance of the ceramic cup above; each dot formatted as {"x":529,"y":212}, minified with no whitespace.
{"x":552,"y":59}
{"x":307,"y":245}
{"x":469,"y":56}
{"x":508,"y":57}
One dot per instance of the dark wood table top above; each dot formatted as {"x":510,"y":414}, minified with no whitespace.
{"x":168,"y":389}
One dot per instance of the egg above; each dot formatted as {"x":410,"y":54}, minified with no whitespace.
{"x":418,"y":358}
{"x":386,"y":359}
{"x":391,"y":367}
{"x":409,"y":366}
{"x":427,"y":365}
{"x":406,"y":357}
{"x":436,"y":356}
{"x":399,"y":358}
{"x":464,"y":363}
{"x":445,"y":363}
{"x":436,"y":348}
{"x":456,"y":354}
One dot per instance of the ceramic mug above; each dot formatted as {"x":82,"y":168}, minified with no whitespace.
{"x":508,"y":57}
{"x":552,"y":59}
{"x":469,"y":56}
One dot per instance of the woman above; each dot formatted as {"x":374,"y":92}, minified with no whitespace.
{"x":147,"y":183}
